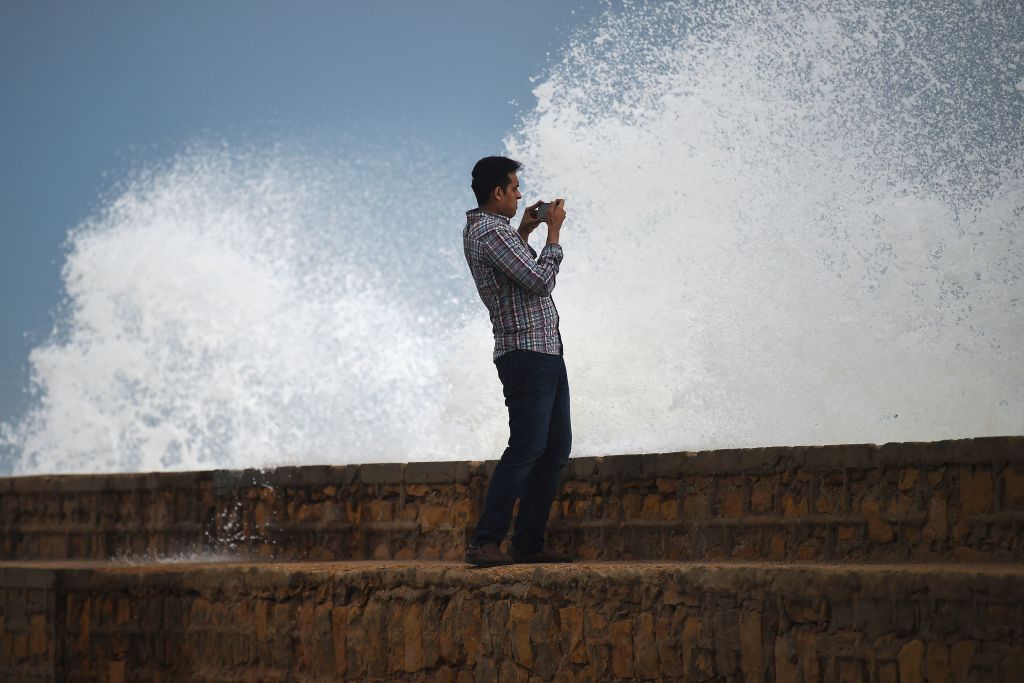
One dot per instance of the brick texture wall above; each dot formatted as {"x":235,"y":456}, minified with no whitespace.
{"x":870,"y":564}
{"x":753,"y":622}
{"x":948,"y":500}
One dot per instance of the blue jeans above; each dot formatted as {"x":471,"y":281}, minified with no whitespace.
{"x":536,"y":392}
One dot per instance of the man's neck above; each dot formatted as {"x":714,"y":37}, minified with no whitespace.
{"x":493,"y":212}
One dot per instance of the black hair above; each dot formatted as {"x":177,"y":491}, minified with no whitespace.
{"x":492,"y":172}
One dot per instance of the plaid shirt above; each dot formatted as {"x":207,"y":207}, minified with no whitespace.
{"x":513,"y":284}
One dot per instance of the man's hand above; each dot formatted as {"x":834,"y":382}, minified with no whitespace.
{"x":556,"y":214}
{"x":529,"y":222}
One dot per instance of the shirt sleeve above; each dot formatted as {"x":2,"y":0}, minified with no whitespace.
{"x":506,"y":251}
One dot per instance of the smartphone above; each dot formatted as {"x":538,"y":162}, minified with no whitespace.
{"x":542,"y":210}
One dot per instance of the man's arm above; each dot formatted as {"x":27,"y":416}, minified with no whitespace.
{"x":509,"y":254}
{"x":524,"y":235}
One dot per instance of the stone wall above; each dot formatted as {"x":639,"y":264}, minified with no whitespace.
{"x":28,"y":624}
{"x":954,"y":500}
{"x":423,"y":621}
{"x":873,"y":564}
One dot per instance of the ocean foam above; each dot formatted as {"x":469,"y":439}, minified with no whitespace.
{"x":788,"y":224}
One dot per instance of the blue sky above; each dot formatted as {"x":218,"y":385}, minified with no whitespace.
{"x":93,"y":90}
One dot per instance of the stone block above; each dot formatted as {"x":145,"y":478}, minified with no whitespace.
{"x":307,"y":476}
{"x":695,"y":506}
{"x":984,"y":450}
{"x":731,"y":505}
{"x":521,"y":622}
{"x":908,"y":478}
{"x":415,"y":658}
{"x":621,"y":467}
{"x":937,"y":526}
{"x":436,"y":472}
{"x":751,"y":646}
{"x":794,"y":506}
{"x":123,"y":483}
{"x":646,"y":663}
{"x":936,"y":662}
{"x":787,"y":669}
{"x":911,"y":662}
{"x":581,"y":469}
{"x":651,"y":507}
{"x":575,"y":488}
{"x":670,"y":509}
{"x":667,"y":631}
{"x":841,"y":457}
{"x":571,"y":626}
{"x":463,"y":511}
{"x":961,"y":656}
{"x":670,"y":465}
{"x":381,"y":473}
{"x":887,"y":673}
{"x":809,"y":550}
{"x":976,"y":490}
{"x":879,"y":530}
{"x":777,"y":546}
{"x":433,"y":516}
{"x":379,"y":511}
{"x":632,"y":504}
{"x":419,"y":490}
{"x":1013,"y":482}
{"x":666,"y":485}
{"x":725,"y":461}
{"x":762,"y":497}
{"x":621,"y":634}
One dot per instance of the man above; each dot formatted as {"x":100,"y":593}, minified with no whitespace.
{"x":516,"y":287}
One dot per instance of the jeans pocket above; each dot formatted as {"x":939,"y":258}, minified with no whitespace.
{"x":508,"y":364}
{"x":540,"y":365}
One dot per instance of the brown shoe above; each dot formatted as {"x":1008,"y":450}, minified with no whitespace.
{"x":487,"y":555}
{"x":542,"y":556}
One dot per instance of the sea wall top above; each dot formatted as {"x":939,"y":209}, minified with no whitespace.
{"x":955,"y":499}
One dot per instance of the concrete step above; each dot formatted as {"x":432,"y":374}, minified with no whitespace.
{"x":444,"y":621}
{"x":922,"y":501}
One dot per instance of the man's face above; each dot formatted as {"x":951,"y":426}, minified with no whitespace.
{"x":508,"y":198}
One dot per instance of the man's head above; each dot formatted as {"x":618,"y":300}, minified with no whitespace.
{"x":496,"y":186}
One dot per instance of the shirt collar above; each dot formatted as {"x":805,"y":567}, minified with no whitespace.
{"x":478,"y":210}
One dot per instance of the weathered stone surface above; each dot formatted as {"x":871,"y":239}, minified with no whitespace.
{"x":521,"y":615}
{"x":937,"y":527}
{"x":761,"y":496}
{"x":621,"y":635}
{"x":751,"y":634}
{"x":879,"y":530}
{"x":976,"y":490}
{"x":936,"y":665}
{"x":587,"y":621}
{"x":794,"y":505}
{"x":787,"y":668}
{"x":955,"y":499}
{"x":646,"y":653}
{"x":911,"y":662}
{"x":961,"y":658}
{"x":1014,"y":478}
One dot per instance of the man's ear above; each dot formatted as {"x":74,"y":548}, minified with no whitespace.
{"x":497,"y":193}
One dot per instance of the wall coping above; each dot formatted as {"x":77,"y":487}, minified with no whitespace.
{"x":989,"y":450}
